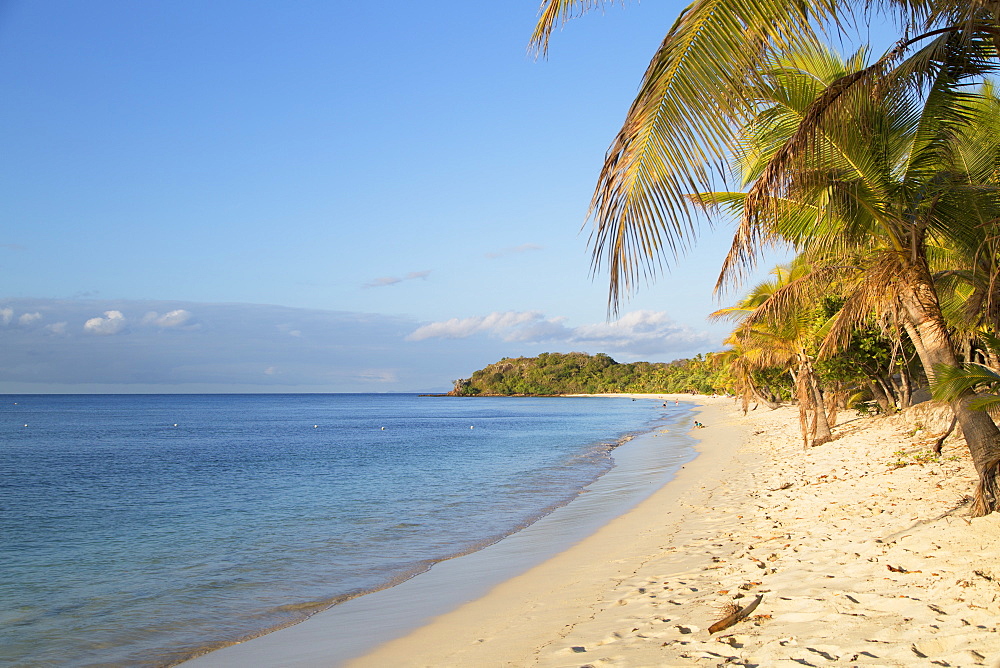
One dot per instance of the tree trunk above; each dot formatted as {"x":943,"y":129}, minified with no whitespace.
{"x":892,"y":405}
{"x":939,"y":444}
{"x":992,"y":360}
{"x":905,"y":400}
{"x":759,"y":396}
{"x":821,"y":424}
{"x":918,"y":345}
{"x":812,"y":397}
{"x":802,"y":395}
{"x":880,"y":397}
{"x":897,"y":389}
{"x":981,"y":433}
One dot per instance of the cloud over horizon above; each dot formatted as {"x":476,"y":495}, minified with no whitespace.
{"x":634,"y":334}
{"x":176,"y":318}
{"x":120,"y":346}
{"x":49,"y":345}
{"x":112,"y":323}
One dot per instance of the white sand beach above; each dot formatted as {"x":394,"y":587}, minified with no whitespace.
{"x":861,"y":550}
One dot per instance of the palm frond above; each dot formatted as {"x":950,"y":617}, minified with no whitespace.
{"x":679,"y":132}
{"x":554,"y":13}
{"x":953,"y":383}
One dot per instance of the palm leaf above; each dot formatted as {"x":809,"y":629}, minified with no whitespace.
{"x":953,"y":383}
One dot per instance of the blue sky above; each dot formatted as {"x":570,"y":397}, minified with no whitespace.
{"x":314,"y":196}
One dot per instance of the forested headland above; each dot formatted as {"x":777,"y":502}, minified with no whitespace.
{"x":552,"y":374}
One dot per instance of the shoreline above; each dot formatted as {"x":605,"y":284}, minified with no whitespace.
{"x":518,"y":617}
{"x":356,"y":626}
{"x":862,"y":550}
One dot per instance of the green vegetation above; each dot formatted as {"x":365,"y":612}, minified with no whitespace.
{"x":579,"y":373}
{"x":881,"y":174}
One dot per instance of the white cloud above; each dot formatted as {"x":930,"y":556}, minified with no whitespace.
{"x":112,"y":323}
{"x":506,"y":325}
{"x":28,"y":318}
{"x":176,"y":318}
{"x":238,"y":347}
{"x":392,"y":280}
{"x":635,"y":333}
{"x":641,"y":332}
{"x":6,"y":315}
{"x":513,"y":250}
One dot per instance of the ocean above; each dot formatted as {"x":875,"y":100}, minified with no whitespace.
{"x":140,"y":530}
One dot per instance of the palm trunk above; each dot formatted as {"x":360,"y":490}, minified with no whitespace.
{"x":802,"y":395}
{"x":981,"y":433}
{"x":992,"y":360}
{"x":760,"y":398}
{"x":811,"y":399}
{"x":918,"y":345}
{"x":821,"y":425}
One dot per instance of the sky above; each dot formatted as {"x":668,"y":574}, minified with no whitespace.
{"x":318,"y":196}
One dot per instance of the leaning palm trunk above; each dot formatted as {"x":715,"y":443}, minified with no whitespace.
{"x":918,"y":345}
{"x":751,"y":391}
{"x":761,"y":399}
{"x":981,"y":433}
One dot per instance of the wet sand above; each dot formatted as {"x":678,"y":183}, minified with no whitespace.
{"x":642,"y":465}
{"x":861,"y":552}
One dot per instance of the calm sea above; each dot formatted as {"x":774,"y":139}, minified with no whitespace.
{"x":142,"y":529}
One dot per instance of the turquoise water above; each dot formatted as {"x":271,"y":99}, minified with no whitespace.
{"x":140,"y":529}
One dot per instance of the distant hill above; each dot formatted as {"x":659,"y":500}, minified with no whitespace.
{"x":579,"y":373}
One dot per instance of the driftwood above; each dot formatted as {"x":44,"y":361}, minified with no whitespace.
{"x":736,"y":616}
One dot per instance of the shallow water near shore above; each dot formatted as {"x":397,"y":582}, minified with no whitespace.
{"x":139,"y":530}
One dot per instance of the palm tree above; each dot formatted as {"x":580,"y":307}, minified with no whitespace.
{"x":818,"y":186}
{"x":680,"y":132}
{"x":784,"y":338}
{"x":869,"y":201}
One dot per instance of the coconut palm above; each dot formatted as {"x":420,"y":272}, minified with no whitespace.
{"x":681,"y":130}
{"x":782,"y":338}
{"x":871,"y":203}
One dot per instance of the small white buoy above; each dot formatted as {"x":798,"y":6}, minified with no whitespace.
{"x":25,"y":425}
{"x":175,"y":424}
{"x":472,"y":427}
{"x":383,"y":428}
{"x":315,"y":426}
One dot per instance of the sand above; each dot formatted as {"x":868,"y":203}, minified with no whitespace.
{"x":861,"y":550}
